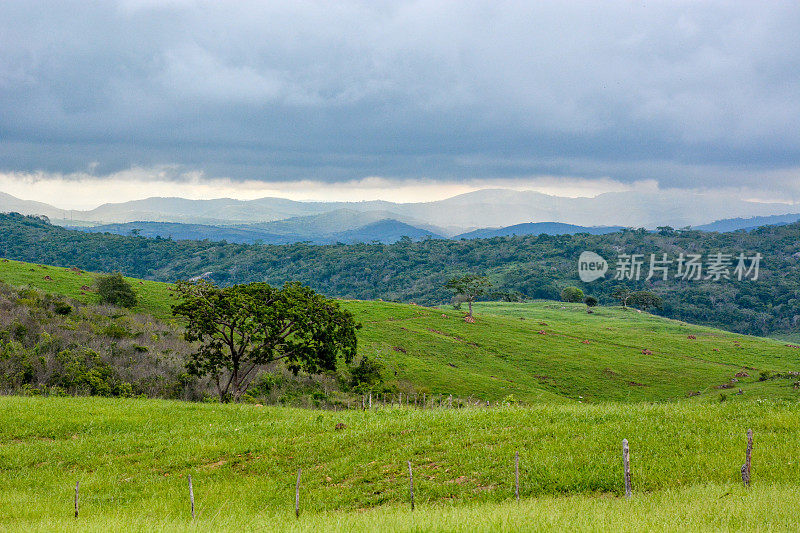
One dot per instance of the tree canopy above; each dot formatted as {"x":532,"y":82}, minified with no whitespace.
{"x":469,"y":287}
{"x":114,"y":290}
{"x":242,"y":328}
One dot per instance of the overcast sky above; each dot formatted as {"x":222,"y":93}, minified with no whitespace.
{"x":423,"y":97}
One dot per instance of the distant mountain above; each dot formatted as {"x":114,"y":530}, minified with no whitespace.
{"x":335,"y":221}
{"x":537,"y":228}
{"x":734,"y":224}
{"x":12,"y":204}
{"x":385,"y":231}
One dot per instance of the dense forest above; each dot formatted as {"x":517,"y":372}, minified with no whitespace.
{"x":519,"y":267}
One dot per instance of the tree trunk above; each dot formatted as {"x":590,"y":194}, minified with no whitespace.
{"x":470,"y":308}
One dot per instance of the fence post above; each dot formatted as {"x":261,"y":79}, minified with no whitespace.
{"x":746,"y":466}
{"x":516,"y":474}
{"x":450,"y":402}
{"x":191,"y":495}
{"x":627,"y":467}
{"x":77,"y":486}
{"x":370,"y":401}
{"x":411,"y":484}
{"x":297,"y":494}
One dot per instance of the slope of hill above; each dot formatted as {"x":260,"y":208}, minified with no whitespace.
{"x":538,"y":228}
{"x":539,"y":351}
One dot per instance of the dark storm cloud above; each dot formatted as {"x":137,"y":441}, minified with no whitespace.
{"x":677,"y":92}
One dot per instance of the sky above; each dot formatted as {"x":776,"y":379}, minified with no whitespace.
{"x":406,"y":101}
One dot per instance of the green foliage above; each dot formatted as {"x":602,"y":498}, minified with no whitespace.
{"x":366,"y":374}
{"x":645,"y":300}
{"x":572,"y":295}
{"x":622,"y":295}
{"x":115,"y":290}
{"x":242,"y":328}
{"x":590,"y":301}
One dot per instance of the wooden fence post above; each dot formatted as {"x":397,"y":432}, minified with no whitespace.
{"x":516,"y":474}
{"x":77,"y":486}
{"x":450,"y":402}
{"x":746,"y":465}
{"x":411,"y":484}
{"x":191,"y":495}
{"x":370,"y":401}
{"x":627,"y":467}
{"x":297,"y":494}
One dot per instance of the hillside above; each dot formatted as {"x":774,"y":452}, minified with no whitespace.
{"x":536,"y":267}
{"x":537,"y":351}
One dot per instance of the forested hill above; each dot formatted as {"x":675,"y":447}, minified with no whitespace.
{"x":533,"y":266}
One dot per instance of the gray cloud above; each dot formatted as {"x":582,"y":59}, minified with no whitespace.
{"x":687,"y":93}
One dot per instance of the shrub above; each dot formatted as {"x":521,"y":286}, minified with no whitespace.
{"x":366,"y":374}
{"x":572,"y":294}
{"x":62,"y":308}
{"x":590,"y":301}
{"x":114,"y":290}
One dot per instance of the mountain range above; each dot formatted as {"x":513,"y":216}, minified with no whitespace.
{"x":484,"y":213}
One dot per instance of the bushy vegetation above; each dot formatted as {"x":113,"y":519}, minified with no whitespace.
{"x":530,"y":266}
{"x":113,"y":289}
{"x":52,"y":345}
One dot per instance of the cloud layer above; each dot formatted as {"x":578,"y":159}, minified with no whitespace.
{"x":684,"y":93}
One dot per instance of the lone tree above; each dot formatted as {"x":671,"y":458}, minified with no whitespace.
{"x":114,"y":290}
{"x":469,"y":287}
{"x":244,"y":327}
{"x":590,"y":302}
{"x":644,"y":300}
{"x":622,"y":294}
{"x":572,"y":294}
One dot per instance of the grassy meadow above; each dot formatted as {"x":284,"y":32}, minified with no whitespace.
{"x":132,"y":458}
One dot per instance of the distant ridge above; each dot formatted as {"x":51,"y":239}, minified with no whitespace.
{"x":386,"y":231}
{"x":735,"y":224}
{"x":538,"y":228}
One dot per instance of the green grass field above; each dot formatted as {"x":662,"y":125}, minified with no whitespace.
{"x":132,"y":458}
{"x":589,"y":380}
{"x":534,"y":351}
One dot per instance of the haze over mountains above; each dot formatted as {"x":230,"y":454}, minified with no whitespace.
{"x":484,"y":213}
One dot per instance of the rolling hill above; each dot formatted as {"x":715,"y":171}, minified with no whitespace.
{"x":538,"y":351}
